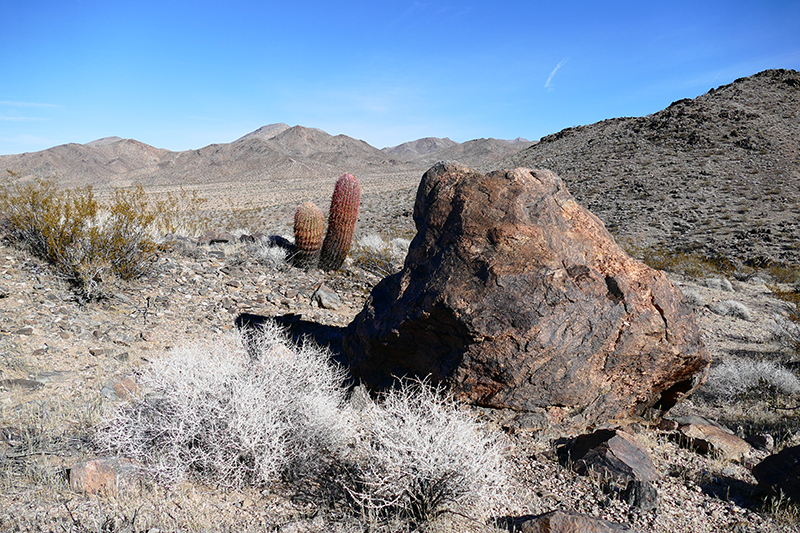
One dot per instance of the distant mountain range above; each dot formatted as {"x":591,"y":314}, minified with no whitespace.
{"x":718,"y":174}
{"x":275,"y":151}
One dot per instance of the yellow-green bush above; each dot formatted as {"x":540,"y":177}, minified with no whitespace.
{"x":91,"y":245}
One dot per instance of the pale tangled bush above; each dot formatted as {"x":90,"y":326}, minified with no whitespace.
{"x":374,"y":254}
{"x":785,"y":331}
{"x":218,"y":414}
{"x":739,"y":377}
{"x":732,"y":308}
{"x":693,"y":297}
{"x":246,"y":409}
{"x":420,"y":455}
{"x":274,"y":257}
{"x":720,"y":284}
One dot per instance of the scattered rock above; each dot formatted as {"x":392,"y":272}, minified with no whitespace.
{"x":216,"y":237}
{"x":641,"y":495}
{"x":521,"y":299}
{"x":22,"y":384}
{"x":762,"y":441}
{"x":610,"y":453}
{"x":108,"y":475}
{"x":713,"y":439}
{"x":120,"y":390}
{"x":621,"y":462}
{"x":326,"y":298}
{"x":568,"y":522}
{"x":780,"y":473}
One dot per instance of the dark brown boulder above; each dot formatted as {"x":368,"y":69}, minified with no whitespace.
{"x":517,"y":297}
{"x":619,"y":461}
{"x":779,"y":474}
{"x":609,"y":454}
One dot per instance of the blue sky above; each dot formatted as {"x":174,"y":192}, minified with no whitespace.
{"x":184,"y":74}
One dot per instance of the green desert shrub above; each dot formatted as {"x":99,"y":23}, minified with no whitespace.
{"x":90,"y":244}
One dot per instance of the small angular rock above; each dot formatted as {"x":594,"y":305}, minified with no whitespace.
{"x":108,"y":475}
{"x":327,"y":298}
{"x":713,"y":439}
{"x":569,"y":522}
{"x":610,"y":454}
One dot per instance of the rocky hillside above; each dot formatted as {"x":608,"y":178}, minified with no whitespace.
{"x":718,"y":174}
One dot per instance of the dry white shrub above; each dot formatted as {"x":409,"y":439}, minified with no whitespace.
{"x":220,"y":415}
{"x":420,"y":455}
{"x":738,"y":377}
{"x":732,"y":308}
{"x":720,"y":284}
{"x":785,"y":331}
{"x":273,"y":257}
{"x":253,"y":408}
{"x":374,"y":254}
{"x":692,"y":297}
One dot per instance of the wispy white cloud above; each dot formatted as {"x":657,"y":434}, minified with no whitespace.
{"x":549,"y":83}
{"x":25,"y":104}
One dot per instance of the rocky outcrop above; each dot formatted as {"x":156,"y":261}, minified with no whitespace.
{"x":517,"y":297}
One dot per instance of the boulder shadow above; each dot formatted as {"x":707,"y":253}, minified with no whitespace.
{"x":299,"y":331}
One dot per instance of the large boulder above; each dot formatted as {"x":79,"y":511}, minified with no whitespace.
{"x":517,"y":297}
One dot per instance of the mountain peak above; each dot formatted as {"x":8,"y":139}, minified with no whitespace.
{"x":266,"y":132}
{"x":104,"y":141}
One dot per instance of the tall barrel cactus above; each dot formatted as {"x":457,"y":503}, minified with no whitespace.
{"x":308,"y":228}
{"x":341,"y":222}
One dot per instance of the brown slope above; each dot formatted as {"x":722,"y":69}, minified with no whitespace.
{"x":479,"y":154}
{"x":103,"y":162}
{"x":414,"y":150}
{"x":718,"y":174}
{"x":267,"y":132}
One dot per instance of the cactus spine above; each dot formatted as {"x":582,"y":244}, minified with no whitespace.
{"x":308,"y":228}
{"x":341,"y":222}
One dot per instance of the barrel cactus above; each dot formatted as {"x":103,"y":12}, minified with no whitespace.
{"x":341,"y":222}
{"x":309,"y":226}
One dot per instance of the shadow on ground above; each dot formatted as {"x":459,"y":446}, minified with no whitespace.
{"x":300,"y":331}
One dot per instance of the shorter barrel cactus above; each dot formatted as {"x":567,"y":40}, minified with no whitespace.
{"x":309,"y":226}
{"x":341,"y":222}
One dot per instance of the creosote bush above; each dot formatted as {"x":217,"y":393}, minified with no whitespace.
{"x":89,"y":243}
{"x":251,"y":409}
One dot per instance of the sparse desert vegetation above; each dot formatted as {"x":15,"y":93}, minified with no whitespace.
{"x":117,"y":340}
